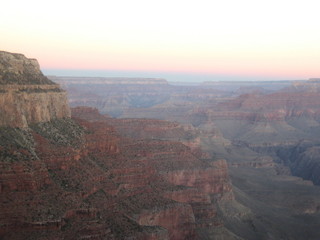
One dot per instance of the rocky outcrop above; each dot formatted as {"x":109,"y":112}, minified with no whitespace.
{"x":26,"y":95}
{"x":17,"y":69}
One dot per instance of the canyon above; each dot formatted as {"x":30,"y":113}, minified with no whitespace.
{"x":141,"y":158}
{"x":266,"y":132}
{"x":81,"y":177}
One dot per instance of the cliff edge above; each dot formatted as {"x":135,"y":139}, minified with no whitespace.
{"x":26,"y":95}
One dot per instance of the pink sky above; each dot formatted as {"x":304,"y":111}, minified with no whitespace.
{"x":277,"y":39}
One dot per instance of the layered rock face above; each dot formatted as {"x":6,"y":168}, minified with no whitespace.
{"x":26,"y":95}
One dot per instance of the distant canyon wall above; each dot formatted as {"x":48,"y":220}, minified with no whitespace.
{"x":108,"y":80}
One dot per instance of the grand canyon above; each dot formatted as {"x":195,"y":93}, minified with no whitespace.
{"x":144,"y":158}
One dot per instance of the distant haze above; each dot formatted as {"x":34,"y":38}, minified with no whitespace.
{"x":169,"y":76}
{"x":251,"y":39}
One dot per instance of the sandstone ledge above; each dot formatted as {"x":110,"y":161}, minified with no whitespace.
{"x":30,"y":88}
{"x":21,"y":105}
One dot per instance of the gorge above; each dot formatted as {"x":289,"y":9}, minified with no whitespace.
{"x":146,"y":159}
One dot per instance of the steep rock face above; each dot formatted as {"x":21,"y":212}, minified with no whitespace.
{"x":26,"y":95}
{"x":21,"y":105}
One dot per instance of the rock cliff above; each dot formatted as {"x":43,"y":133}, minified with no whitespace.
{"x":26,"y":95}
{"x":15,"y":68}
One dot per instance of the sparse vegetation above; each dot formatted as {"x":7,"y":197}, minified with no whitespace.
{"x":40,"y":90}
{"x":16,"y":145}
{"x":60,"y":131}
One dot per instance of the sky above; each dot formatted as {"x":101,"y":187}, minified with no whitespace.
{"x":232,"y":39}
